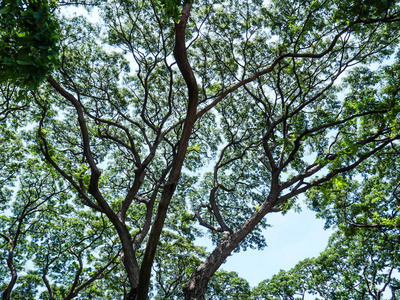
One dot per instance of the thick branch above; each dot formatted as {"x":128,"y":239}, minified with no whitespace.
{"x":180,"y":54}
{"x":94,"y":179}
{"x":11,"y":266}
{"x":204,"y":223}
{"x":290,"y":55}
{"x":331,"y":174}
{"x":130,"y":261}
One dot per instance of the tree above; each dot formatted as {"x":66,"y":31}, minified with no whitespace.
{"x":290,"y":285}
{"x":167,"y":112}
{"x":28,"y":41}
{"x":228,"y":285}
{"x":358,"y":267}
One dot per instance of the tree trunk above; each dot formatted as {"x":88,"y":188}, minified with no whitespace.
{"x":10,"y":263}
{"x":196,"y":288}
{"x":180,"y":54}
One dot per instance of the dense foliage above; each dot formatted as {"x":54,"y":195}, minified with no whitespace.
{"x":131,"y":128}
{"x":28,"y":41}
{"x":359,"y":267}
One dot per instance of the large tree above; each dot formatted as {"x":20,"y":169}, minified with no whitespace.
{"x":161,"y":115}
{"x":356,"y":267}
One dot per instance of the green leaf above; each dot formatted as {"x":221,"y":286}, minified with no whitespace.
{"x":5,"y":10}
{"x":24,"y":62}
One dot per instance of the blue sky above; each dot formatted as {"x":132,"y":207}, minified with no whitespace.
{"x":292,"y":238}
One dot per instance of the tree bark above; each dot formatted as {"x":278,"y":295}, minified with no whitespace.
{"x":14,"y":276}
{"x":180,"y":54}
{"x":130,"y":262}
{"x":196,"y":287}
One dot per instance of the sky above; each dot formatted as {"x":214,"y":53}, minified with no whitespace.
{"x":292,"y":238}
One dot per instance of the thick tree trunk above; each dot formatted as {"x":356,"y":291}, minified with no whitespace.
{"x":7,"y":291}
{"x":180,"y":54}
{"x":130,"y":262}
{"x":196,"y":288}
{"x":133,"y":295}
{"x":14,"y":276}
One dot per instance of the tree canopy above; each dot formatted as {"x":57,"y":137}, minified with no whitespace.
{"x":28,"y":41}
{"x":128,"y":134}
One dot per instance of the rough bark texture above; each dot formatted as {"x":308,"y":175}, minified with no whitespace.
{"x":129,"y":260}
{"x":196,"y":287}
{"x":180,"y":54}
{"x":10,"y":264}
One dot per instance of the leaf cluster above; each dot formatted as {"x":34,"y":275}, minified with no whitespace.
{"x":28,"y":41}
